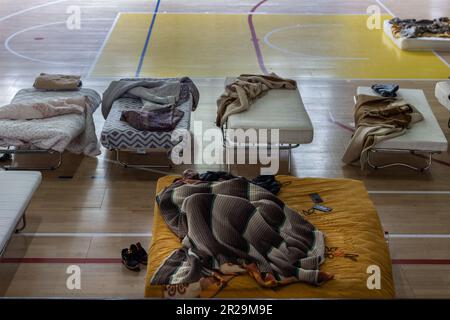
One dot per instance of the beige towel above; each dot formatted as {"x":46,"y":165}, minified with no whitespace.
{"x":242,"y":92}
{"x":59,"y":82}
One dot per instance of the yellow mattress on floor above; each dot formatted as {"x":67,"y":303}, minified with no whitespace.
{"x":352,"y":228}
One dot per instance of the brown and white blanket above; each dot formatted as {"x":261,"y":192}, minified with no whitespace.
{"x":378,"y":119}
{"x":242,"y":92}
{"x":232,"y":227}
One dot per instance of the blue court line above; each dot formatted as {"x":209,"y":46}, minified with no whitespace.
{"x":147,"y":40}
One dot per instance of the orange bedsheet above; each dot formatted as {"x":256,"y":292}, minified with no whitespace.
{"x":353,"y":227}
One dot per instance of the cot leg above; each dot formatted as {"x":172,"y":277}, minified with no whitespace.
{"x":24,"y":224}
{"x":289,"y":159}
{"x":427,"y":166}
{"x":54,"y":167}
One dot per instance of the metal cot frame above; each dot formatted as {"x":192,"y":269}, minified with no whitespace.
{"x":282,"y":146}
{"x":11,"y":151}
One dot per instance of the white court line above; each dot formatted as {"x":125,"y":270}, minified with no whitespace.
{"x":419,"y":235}
{"x":13,"y":52}
{"x":407,"y":192}
{"x":308,"y":56}
{"x":441,"y":58}
{"x":385,"y":8}
{"x":30,"y":9}
{"x":84,"y":234}
{"x":100,"y":51}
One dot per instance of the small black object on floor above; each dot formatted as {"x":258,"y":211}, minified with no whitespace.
{"x":134,"y":256}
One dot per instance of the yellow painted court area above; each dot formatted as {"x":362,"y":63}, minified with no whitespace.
{"x":219,"y":45}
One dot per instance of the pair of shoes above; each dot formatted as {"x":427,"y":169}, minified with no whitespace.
{"x":134,"y":256}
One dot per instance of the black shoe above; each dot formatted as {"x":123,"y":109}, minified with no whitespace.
{"x":5,"y":157}
{"x":129,"y":260}
{"x":139,"y":253}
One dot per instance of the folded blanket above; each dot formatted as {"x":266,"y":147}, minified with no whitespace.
{"x":58,"y":82}
{"x":242,"y":92}
{"x":151,"y":91}
{"x":231,"y":227}
{"x":44,"y":109}
{"x":163,"y":119}
{"x":378,"y":119}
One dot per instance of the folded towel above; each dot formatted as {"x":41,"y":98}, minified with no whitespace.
{"x":57,"y":82}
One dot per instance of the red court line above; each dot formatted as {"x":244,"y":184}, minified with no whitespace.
{"x":255,"y":39}
{"x":62,"y":260}
{"x":117,"y":260}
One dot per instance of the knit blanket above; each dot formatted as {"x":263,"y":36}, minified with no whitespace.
{"x":152,"y":92}
{"x":232,"y":227}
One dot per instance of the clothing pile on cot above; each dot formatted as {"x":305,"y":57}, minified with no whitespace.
{"x":56,"y":114}
{"x":378,"y":117}
{"x":142,"y":113}
{"x":412,"y":28}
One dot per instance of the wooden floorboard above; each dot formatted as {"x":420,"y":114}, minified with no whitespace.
{"x":88,"y":198}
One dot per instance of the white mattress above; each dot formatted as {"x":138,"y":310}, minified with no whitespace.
{"x":278,"y":109}
{"x":425,"y":135}
{"x":417,"y":44}
{"x":442,"y":92}
{"x":14,"y":199}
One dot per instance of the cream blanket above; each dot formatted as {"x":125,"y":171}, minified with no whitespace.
{"x":44,"y":109}
{"x":242,"y":92}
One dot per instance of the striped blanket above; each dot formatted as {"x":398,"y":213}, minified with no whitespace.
{"x":232,"y":227}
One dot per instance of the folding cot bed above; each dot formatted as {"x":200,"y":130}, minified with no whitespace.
{"x":417,"y":44}
{"x":119,"y":136}
{"x":354,"y":242}
{"x":14,"y":201}
{"x":423,"y":138}
{"x":278,"y":109}
{"x":74,"y":132}
{"x":442,"y":93}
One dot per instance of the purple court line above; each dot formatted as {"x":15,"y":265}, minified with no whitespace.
{"x":340,"y":124}
{"x":255,"y":39}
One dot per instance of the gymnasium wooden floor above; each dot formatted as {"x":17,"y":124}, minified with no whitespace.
{"x":88,"y":210}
